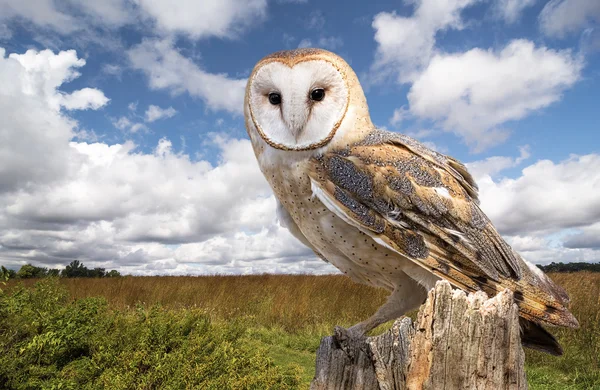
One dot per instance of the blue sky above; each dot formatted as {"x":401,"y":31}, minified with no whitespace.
{"x":149,"y":169}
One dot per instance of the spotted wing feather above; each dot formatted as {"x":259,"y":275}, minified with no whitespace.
{"x":423,"y":206}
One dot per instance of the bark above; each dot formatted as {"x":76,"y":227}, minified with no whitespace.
{"x":457,"y":342}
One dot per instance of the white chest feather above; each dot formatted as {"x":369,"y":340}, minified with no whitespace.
{"x":346,"y":247}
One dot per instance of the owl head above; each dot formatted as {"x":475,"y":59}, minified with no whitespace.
{"x":302,"y":99}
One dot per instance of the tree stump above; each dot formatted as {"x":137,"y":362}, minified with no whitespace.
{"x":457,"y":342}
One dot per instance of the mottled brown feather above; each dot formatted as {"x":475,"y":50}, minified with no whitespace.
{"x":424,"y":206}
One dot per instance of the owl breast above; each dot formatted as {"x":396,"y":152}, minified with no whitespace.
{"x":350,"y":250}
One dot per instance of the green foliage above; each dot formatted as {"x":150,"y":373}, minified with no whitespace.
{"x":75,"y":269}
{"x":29,"y":271}
{"x":113,"y":274}
{"x":6,"y":273}
{"x":286,"y":316}
{"x":53,"y":272}
{"x":50,"y":342}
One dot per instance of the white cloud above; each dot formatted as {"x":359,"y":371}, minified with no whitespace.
{"x":586,"y":237}
{"x":84,"y":99}
{"x":33,"y":145}
{"x":204,"y":18}
{"x":167,"y":69}
{"x":154,"y":113}
{"x":549,"y":212}
{"x":125,"y":123}
{"x":561,"y":17}
{"x":548,"y":197}
{"x":122,"y":123}
{"x":197,"y":19}
{"x":406,"y":44}
{"x":473,"y":94}
{"x":400,"y":114}
{"x":511,"y":10}
{"x":154,"y":212}
{"x":114,"y":206}
{"x":491,"y":166}
{"x":543,"y":251}
{"x":138,"y":127}
{"x":40,"y":12}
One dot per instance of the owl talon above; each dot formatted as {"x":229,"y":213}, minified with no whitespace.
{"x":348,"y":340}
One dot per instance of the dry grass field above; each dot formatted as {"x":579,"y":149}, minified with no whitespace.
{"x":288,"y":314}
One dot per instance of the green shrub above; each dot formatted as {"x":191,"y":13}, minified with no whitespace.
{"x":49,"y":342}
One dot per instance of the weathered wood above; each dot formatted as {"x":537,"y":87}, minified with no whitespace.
{"x":457,"y":342}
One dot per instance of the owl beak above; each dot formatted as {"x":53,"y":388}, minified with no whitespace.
{"x":296,"y":130}
{"x":295,"y":119}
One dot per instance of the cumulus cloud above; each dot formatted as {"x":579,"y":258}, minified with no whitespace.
{"x":550,"y":211}
{"x":84,"y":99}
{"x":548,"y":197}
{"x":473,"y":94}
{"x":561,"y":17}
{"x":221,"y":18}
{"x":196,"y":19}
{"x":491,"y":166}
{"x":33,"y":146}
{"x":168,"y":69}
{"x":114,"y":206}
{"x":154,"y":113}
{"x":406,"y":44}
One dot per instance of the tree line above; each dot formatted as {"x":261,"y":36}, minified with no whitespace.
{"x":570,"y":267}
{"x":75,"y":269}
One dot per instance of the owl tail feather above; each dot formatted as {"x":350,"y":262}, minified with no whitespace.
{"x":534,"y":336}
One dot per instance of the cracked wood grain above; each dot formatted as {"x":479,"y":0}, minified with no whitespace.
{"x":457,"y":342}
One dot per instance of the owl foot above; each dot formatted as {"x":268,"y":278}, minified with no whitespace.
{"x":349,"y":340}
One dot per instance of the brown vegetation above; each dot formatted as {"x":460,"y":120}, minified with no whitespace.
{"x":310,"y":306}
{"x":293,"y":302}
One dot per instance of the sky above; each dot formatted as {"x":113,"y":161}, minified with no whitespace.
{"x":122,"y":139}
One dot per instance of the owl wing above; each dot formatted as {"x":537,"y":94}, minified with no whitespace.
{"x":424,"y":206}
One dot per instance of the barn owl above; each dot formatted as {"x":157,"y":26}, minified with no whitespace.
{"x":378,"y":205}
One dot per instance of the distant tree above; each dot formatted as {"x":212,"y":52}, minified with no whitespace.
{"x":53,"y":272}
{"x":570,"y":267}
{"x":113,"y":273}
{"x":6,"y":273}
{"x":29,"y":271}
{"x":75,"y":269}
{"x":96,"y":273}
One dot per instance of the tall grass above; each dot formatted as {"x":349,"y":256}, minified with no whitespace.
{"x":580,"y":364}
{"x":292,"y":302}
{"x":292,"y":312}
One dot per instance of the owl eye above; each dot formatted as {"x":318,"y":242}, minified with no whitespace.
{"x":317,"y":94}
{"x":274,"y":98}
